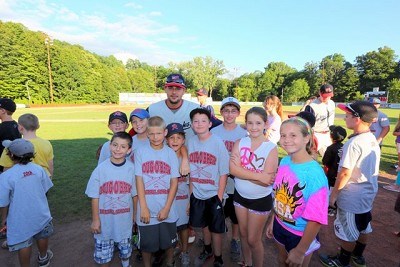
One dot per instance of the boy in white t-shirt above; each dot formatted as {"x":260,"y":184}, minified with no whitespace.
{"x":157,"y":172}
{"x":209,"y":168}
{"x":229,"y":131}
{"x":112,"y":189}
{"x":23,"y":190}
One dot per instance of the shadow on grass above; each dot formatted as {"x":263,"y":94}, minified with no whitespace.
{"x":74,"y":161}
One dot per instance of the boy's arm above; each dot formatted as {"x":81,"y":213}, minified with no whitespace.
{"x":144,"y":210}
{"x":385,"y":131}
{"x":96,"y":225}
{"x":51,"y":167}
{"x":135,"y":201}
{"x":164,"y":212}
{"x":296,"y":255}
{"x":222,"y":185}
{"x":342,"y":179}
{"x":184,"y":168}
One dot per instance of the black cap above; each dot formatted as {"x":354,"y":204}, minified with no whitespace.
{"x":338,"y":133}
{"x":326,"y":90}
{"x":8,"y":104}
{"x":308,"y":116}
{"x":364,"y":110}
{"x":200,"y":111}
{"x":118,"y":115}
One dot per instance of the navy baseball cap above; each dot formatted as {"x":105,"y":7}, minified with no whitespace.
{"x":326,"y":90}
{"x":140,"y":113}
{"x":174,"y":128}
{"x":175,"y":79}
{"x":374,"y":100}
{"x":118,"y":115}
{"x":338,"y":133}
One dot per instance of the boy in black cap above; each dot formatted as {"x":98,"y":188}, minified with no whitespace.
{"x":332,"y":157}
{"x":356,"y":185}
{"x":8,"y":126}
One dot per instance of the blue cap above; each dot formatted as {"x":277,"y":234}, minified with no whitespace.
{"x":140,"y":113}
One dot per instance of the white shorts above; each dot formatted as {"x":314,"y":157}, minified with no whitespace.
{"x":349,"y":226}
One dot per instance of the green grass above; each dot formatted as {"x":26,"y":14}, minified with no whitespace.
{"x":76,"y":133}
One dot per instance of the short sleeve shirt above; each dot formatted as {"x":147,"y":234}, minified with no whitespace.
{"x":301,"y":195}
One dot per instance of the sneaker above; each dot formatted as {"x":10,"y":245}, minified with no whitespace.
{"x":331,"y":261}
{"x":218,"y":264}
{"x":358,"y":261}
{"x":331,"y":212}
{"x":235,"y":250}
{"x":192,"y":236}
{"x":46,"y":261}
{"x":395,"y":166}
{"x":200,"y":260}
{"x":185,"y":259}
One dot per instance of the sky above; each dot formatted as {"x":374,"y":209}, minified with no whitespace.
{"x":245,"y":35}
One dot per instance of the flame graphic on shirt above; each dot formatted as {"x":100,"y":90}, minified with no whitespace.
{"x":286,"y":201}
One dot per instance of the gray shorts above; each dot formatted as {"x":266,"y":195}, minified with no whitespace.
{"x":152,"y":238}
{"x":349,"y":226}
{"x":45,"y":233}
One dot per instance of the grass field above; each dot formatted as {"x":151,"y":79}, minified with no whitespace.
{"x":76,"y":132}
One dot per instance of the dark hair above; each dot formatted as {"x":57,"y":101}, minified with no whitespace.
{"x":258,"y":111}
{"x":200,"y":111}
{"x":25,"y":159}
{"x":124,"y":136}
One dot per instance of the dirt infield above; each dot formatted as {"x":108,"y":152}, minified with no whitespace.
{"x":72,"y":243}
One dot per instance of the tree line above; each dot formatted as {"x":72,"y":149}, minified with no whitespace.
{"x":80,"y":76}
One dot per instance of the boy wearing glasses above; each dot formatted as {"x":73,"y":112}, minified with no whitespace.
{"x":229,"y":131}
{"x":356,"y":185}
{"x":117,"y":122}
{"x":175,"y":108}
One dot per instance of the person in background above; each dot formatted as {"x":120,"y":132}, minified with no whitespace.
{"x":396,"y":185}
{"x":323,"y":109}
{"x":273,"y":107}
{"x":202,"y":95}
{"x":381,"y":127}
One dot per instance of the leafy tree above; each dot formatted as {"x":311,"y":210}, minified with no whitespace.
{"x":222,"y":89}
{"x":394,"y":91}
{"x":298,"y":89}
{"x":273,"y":79}
{"x":376,"y":68}
{"x":141,"y":81}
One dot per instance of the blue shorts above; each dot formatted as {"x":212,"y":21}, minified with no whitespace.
{"x":104,"y":250}
{"x":290,"y":240}
{"x":47,"y":231}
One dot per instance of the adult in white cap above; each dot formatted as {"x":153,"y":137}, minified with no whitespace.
{"x":381,"y":127}
{"x":323,"y":109}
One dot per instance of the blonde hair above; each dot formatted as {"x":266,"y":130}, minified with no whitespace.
{"x":276,"y":102}
{"x":305,"y":130}
{"x":156,"y":121}
{"x":29,"y":121}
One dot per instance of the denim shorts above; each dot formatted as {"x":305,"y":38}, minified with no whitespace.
{"x":46,"y":232}
{"x":104,"y":250}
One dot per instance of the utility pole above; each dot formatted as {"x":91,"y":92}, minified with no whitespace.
{"x":49,"y":42}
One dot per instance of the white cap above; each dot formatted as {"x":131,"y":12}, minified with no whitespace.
{"x":230,"y":100}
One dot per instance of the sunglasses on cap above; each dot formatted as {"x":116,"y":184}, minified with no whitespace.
{"x":354,"y":113}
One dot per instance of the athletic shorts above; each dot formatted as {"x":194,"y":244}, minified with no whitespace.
{"x":207,"y":213}
{"x":153,"y":238}
{"x":46,"y":232}
{"x":290,"y":240}
{"x":229,"y":209}
{"x":104,"y":250}
{"x":349,"y":226}
{"x":259,"y":205}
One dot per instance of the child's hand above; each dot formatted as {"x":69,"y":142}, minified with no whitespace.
{"x":269,"y":232}
{"x":235,"y":159}
{"x":295,"y":258}
{"x":145,"y":215}
{"x":163,"y":214}
{"x":184,"y":169}
{"x":95,"y":227}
